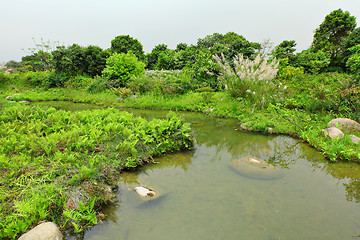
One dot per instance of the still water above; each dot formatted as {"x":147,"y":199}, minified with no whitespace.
{"x":202,"y":197}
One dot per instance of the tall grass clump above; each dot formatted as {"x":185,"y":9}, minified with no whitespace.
{"x":252,"y":79}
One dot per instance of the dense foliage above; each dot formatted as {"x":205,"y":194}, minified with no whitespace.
{"x":76,"y":60}
{"x":125,"y":44}
{"x":331,"y":33}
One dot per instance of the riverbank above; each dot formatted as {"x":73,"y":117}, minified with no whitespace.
{"x":274,"y":119}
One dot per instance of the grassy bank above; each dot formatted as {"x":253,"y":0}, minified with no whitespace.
{"x":274,"y":119}
{"x":58,"y":166}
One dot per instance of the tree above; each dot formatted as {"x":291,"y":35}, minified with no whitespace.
{"x":76,"y":60}
{"x":312,"y":62}
{"x":39,"y":58}
{"x":13,"y":64}
{"x":181,"y":46}
{"x":332,"y":32}
{"x":285,"y":49}
{"x":153,"y":57}
{"x":125,"y":44}
{"x":353,"y":63}
{"x":38,"y":61}
{"x":351,"y":41}
{"x":265,"y":47}
{"x":210,"y":40}
{"x":121,"y":67}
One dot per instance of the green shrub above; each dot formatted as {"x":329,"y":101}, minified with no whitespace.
{"x":79,"y":82}
{"x":99,"y":84}
{"x":55,"y":80}
{"x":35,"y":79}
{"x":164,"y":82}
{"x":121,"y":68}
{"x":288,"y":72}
{"x":353,"y":63}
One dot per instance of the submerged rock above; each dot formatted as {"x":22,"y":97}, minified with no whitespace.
{"x":345,"y":124}
{"x":255,"y":168}
{"x":44,"y":231}
{"x":144,"y":192}
{"x":332,"y":132}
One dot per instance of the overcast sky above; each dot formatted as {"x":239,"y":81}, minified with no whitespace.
{"x":97,"y":22}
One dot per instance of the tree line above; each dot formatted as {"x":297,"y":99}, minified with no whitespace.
{"x":335,"y":47}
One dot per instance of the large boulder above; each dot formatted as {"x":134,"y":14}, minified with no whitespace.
{"x":44,"y":231}
{"x":255,"y":168}
{"x":345,"y":124}
{"x":333,"y":132}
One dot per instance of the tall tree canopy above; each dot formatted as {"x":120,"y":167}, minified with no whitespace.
{"x":332,"y":32}
{"x":125,"y":44}
{"x":285,"y":49}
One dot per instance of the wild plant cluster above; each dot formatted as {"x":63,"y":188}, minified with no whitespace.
{"x":251,"y":79}
{"x":56,"y":165}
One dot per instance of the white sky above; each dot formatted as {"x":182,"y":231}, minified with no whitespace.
{"x":97,"y":22}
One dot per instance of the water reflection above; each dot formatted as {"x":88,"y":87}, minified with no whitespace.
{"x":203,"y":199}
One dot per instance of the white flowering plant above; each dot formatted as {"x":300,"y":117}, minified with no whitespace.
{"x":252,"y":79}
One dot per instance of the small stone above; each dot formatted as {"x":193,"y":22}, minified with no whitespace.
{"x":270,"y":130}
{"x":44,"y":231}
{"x":8,"y":97}
{"x":333,"y":132}
{"x":209,"y":110}
{"x":24,"y":101}
{"x":345,"y":124}
{"x":120,"y":99}
{"x":134,"y":96}
{"x":354,"y":139}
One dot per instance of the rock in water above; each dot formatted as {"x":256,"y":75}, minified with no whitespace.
{"x":144,"y":192}
{"x":256,"y":168}
{"x":345,"y":124}
{"x":44,"y":231}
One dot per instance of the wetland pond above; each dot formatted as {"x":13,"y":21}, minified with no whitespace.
{"x":202,"y":197}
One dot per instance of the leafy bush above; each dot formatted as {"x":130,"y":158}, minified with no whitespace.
{"x":163,"y":82}
{"x":312,"y":62}
{"x":99,"y":84}
{"x":121,"y":68}
{"x":79,"y":82}
{"x":353,"y":63}
{"x":288,"y":72}
{"x":35,"y":79}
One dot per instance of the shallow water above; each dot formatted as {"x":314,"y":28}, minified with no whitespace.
{"x":202,"y":197}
